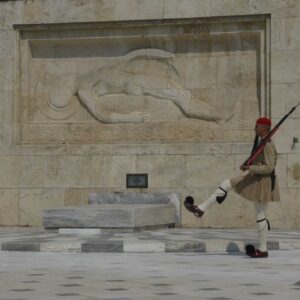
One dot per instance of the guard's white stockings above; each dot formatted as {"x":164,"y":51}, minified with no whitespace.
{"x":262,"y":227}
{"x":225,"y":185}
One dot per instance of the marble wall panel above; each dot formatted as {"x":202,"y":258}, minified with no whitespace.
{"x":285,"y":214}
{"x":277,"y":8}
{"x":10,"y":14}
{"x":278,"y":34}
{"x":110,"y":171}
{"x":7,"y":44}
{"x":285,"y":67}
{"x":279,"y":100}
{"x":32,"y":202}
{"x":285,"y":135}
{"x":21,"y":171}
{"x":91,"y":10}
{"x":6,"y":107}
{"x":67,"y":171}
{"x":292,"y":33}
{"x":292,"y":98}
{"x":293,"y":168}
{"x":139,"y":9}
{"x":186,"y":8}
{"x":208,"y":170}
{"x":163,"y":170}
{"x":230,"y":7}
{"x":9,"y":201}
{"x":6,"y":74}
{"x":234,"y":212}
{"x":46,"y":11}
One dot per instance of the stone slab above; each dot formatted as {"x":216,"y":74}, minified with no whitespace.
{"x":79,"y":231}
{"x":112,"y":246}
{"x":137,"y":198}
{"x":166,"y":240}
{"x":110,"y":216}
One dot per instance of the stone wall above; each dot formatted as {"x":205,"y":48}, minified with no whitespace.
{"x":232,"y":59}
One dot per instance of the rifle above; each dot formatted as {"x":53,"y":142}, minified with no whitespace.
{"x":256,"y":150}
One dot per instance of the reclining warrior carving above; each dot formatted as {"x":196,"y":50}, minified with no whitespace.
{"x":146,"y":73}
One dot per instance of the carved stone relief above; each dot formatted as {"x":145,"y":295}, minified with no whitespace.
{"x":83,"y":83}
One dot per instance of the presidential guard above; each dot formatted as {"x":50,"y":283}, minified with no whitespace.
{"x":259,"y":185}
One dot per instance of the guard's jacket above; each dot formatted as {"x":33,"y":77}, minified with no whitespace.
{"x":261,"y":183}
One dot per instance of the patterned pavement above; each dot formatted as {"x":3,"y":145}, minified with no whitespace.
{"x":216,"y":274}
{"x":164,"y":240}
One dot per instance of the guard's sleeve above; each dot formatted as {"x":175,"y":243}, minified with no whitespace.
{"x":269,"y":161}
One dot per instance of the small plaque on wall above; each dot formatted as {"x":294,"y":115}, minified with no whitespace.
{"x":136,"y":180}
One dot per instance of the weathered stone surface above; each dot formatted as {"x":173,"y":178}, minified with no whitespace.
{"x":111,"y":246}
{"x":293,"y":167}
{"x":32,"y":202}
{"x":208,"y":170}
{"x":131,"y":198}
{"x":164,"y":171}
{"x":110,"y":216}
{"x":139,"y":9}
{"x":185,"y":246}
{"x":21,"y":171}
{"x":6,"y":71}
{"x":51,"y":144}
{"x":9,"y":207}
{"x":186,"y":8}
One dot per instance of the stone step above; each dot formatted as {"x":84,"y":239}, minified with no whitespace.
{"x":120,"y":216}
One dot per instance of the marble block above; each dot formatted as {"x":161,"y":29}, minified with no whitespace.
{"x":137,"y":199}
{"x":110,"y":216}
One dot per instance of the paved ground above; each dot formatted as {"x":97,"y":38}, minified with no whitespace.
{"x":165,"y":240}
{"x":215,"y":274}
{"x":170,"y":276}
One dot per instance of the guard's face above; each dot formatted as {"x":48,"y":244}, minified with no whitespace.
{"x":260,"y":130}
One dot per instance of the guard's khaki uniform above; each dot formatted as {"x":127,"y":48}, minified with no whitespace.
{"x":257,"y":184}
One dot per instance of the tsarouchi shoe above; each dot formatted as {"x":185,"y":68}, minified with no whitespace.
{"x":259,"y":254}
{"x":191,"y":207}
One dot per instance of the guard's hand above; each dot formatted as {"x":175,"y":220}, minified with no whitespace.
{"x":244,"y":168}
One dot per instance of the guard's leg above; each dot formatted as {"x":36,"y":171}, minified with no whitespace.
{"x":262,"y":225}
{"x":218,"y":195}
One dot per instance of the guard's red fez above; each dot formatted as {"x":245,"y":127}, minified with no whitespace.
{"x":264,"y":121}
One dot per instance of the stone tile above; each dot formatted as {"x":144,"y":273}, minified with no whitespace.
{"x":10,"y":14}
{"x":277,"y":8}
{"x":110,"y":171}
{"x":7,"y":45}
{"x":293,"y":167}
{"x":32,"y":202}
{"x":9,"y":199}
{"x":57,"y":171}
{"x":139,"y":9}
{"x":292,"y":98}
{"x":47,"y":11}
{"x":185,"y":246}
{"x":91,"y":10}
{"x":6,"y":74}
{"x":20,"y":247}
{"x":143,"y":246}
{"x":163,"y":171}
{"x":279,"y":100}
{"x":113,"y":246}
{"x":285,"y":66}
{"x":204,"y":170}
{"x":187,"y":8}
{"x":230,"y":7}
